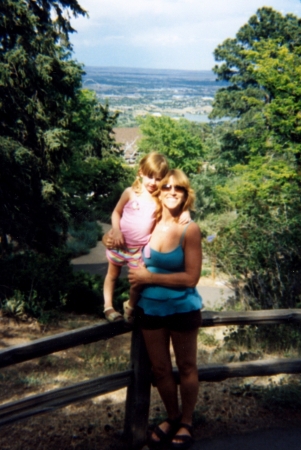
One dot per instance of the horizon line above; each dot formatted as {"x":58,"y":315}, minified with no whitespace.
{"x":147,"y":68}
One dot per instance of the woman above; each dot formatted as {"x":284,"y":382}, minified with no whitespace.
{"x":169,"y":307}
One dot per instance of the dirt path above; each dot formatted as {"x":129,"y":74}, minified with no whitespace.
{"x":214,"y":292}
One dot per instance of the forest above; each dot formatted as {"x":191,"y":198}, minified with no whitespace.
{"x":62,"y":171}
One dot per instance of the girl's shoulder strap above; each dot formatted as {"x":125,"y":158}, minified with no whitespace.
{"x":184,"y":232}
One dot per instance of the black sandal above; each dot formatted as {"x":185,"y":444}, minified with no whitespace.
{"x":164,"y":437}
{"x":185,"y":440}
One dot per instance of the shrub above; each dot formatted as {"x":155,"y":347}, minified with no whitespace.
{"x":38,"y":282}
{"x":85,"y":294}
{"x":83,"y":237}
{"x":282,"y":396}
{"x":43,"y":285}
{"x":276,"y":338}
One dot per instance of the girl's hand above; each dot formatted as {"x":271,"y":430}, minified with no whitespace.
{"x":117,"y":238}
{"x":139,"y":276}
{"x":109,"y":241}
{"x":185,"y":217}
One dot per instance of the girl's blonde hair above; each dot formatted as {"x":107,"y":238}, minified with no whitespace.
{"x":151,"y":165}
{"x":180,"y":179}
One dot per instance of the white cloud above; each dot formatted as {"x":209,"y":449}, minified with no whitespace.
{"x":155,"y":25}
{"x":164,"y":11}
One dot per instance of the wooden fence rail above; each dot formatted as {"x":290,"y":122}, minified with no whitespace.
{"x":93,"y":333}
{"x":138,"y":378}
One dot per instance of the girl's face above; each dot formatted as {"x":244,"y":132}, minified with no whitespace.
{"x":149,"y":183}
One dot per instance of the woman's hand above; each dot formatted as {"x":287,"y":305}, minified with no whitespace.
{"x":139,"y":276}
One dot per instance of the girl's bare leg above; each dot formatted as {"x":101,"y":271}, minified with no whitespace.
{"x":134,"y":296}
{"x":109,"y":284}
{"x":129,"y":305}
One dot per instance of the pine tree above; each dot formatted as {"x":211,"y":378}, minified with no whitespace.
{"x":39,"y":82}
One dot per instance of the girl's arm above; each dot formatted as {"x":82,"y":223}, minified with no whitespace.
{"x":185,"y":217}
{"x":116,"y":235}
{"x":192,"y":271}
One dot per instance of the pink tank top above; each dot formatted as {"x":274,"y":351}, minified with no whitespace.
{"x":137,"y":221}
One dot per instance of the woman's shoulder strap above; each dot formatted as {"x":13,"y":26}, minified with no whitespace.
{"x":184,"y":232}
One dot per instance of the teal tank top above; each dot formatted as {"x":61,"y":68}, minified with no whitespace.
{"x":160,"y":300}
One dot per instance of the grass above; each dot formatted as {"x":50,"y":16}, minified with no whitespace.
{"x":239,"y":344}
{"x":206,"y":273}
{"x":282,"y":396}
{"x":274,"y":396}
{"x":207,"y":339}
{"x":284,"y":339}
{"x":61,"y":368}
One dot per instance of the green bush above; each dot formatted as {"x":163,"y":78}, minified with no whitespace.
{"x":29,"y":271}
{"x":270,"y":338}
{"x":39,"y":282}
{"x":85,"y":294}
{"x":83,"y":237}
{"x":43,"y":286}
{"x":283,"y":396}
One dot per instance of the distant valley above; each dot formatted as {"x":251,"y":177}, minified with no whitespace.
{"x":136,"y":92}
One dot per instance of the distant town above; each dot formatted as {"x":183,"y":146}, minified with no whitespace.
{"x":137,"y":92}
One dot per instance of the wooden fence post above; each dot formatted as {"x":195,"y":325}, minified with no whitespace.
{"x":138,"y":394}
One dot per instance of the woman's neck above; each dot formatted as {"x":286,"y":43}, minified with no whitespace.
{"x":170,"y":216}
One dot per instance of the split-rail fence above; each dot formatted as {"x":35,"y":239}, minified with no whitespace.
{"x":138,"y":377}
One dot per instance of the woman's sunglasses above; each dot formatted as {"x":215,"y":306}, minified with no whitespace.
{"x":177,"y":188}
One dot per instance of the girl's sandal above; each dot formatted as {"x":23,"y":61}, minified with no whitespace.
{"x":128,"y":313}
{"x":164,"y":437}
{"x":184,"y":440}
{"x":111,"y":315}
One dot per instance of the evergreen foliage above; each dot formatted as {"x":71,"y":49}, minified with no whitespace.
{"x":246,"y":96}
{"x":38,"y":85}
{"x":58,"y":158}
{"x":262,"y":148}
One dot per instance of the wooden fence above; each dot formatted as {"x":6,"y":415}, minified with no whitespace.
{"x":138,"y":378}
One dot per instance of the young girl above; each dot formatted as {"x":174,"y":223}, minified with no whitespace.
{"x":132,"y":222}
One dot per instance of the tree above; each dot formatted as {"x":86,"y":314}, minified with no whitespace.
{"x":56,"y":148}
{"x":174,"y":139}
{"x":266,"y":24}
{"x":263,"y":244}
{"x":244,"y":96}
{"x":91,"y":127}
{"x":39,"y":83}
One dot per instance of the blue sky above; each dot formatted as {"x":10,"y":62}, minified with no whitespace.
{"x":162,"y":34}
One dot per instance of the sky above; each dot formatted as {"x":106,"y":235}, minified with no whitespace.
{"x":162,"y":34}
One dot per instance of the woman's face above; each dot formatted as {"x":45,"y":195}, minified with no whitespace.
{"x":172,"y":194}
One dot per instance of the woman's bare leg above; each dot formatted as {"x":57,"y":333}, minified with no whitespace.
{"x":185,"y":348}
{"x":157,"y":344}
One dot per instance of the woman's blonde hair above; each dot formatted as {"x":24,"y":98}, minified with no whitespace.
{"x":180,"y":179}
{"x":151,"y":165}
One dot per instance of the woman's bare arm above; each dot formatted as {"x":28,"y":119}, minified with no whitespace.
{"x":193,"y":265}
